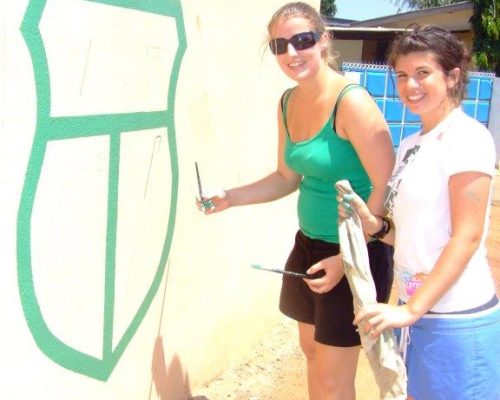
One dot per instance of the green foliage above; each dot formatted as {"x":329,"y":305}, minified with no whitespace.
{"x":328,"y":8}
{"x":485,"y":23}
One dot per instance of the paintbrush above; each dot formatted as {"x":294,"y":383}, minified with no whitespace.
{"x":282,"y":271}
{"x":207,"y":204}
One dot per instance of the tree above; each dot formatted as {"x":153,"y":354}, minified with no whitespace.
{"x":328,"y":8}
{"x":485,"y":22}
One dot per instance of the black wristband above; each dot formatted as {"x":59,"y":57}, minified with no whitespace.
{"x":384,"y":230}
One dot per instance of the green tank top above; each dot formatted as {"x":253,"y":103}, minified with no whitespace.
{"x":322,"y":160}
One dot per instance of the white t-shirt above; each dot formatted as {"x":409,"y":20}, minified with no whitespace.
{"x":418,"y":199}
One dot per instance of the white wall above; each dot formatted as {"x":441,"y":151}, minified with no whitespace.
{"x":113,"y":285}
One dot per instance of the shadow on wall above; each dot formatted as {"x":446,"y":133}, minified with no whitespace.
{"x":170,"y":382}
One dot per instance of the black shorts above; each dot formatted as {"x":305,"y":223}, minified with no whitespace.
{"x":331,"y":313}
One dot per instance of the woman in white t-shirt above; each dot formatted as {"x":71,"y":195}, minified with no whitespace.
{"x":437,"y":219}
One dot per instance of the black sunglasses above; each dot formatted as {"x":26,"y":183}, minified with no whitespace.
{"x":300,"y":41}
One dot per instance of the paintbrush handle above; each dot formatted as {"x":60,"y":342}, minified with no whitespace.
{"x":282,"y":271}
{"x":200,"y":191}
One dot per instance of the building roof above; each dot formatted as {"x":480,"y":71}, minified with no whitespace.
{"x":411,"y":16}
{"x":338,"y":21}
{"x":363,"y":33}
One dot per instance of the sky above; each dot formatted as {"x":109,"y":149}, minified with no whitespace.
{"x":365,"y":9}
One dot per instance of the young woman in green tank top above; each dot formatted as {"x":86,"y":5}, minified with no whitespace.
{"x":328,"y":131}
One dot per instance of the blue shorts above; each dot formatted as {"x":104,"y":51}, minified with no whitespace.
{"x":455,"y":356}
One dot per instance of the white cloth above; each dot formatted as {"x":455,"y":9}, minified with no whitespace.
{"x":418,"y":199}
{"x":386,"y":363}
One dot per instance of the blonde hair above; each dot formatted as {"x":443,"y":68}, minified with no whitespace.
{"x":304,"y":10}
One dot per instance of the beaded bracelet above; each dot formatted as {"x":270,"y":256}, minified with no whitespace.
{"x":384,"y":230}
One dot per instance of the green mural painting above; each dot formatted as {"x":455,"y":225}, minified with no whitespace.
{"x":50,"y":128}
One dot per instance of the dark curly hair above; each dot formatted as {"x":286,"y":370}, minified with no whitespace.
{"x":449,"y":52}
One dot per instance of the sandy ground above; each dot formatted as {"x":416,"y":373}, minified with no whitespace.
{"x":277,"y":369}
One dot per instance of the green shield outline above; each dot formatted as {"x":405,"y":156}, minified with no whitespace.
{"x":55,"y":128}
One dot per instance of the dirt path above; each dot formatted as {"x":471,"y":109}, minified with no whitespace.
{"x":276,"y":372}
